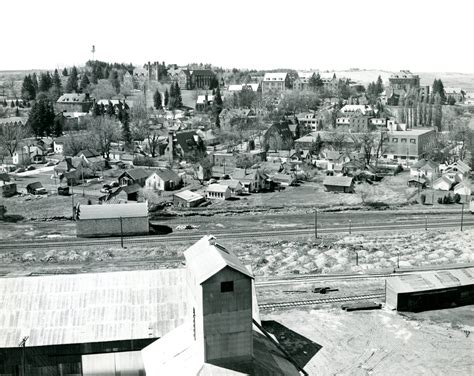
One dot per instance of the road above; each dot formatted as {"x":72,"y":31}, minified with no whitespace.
{"x":223,"y":235}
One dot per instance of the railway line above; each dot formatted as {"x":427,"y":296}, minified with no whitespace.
{"x":418,"y":224}
{"x":301,"y":303}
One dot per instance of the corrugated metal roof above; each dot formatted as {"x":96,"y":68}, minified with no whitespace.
{"x":206,"y":257}
{"x":78,"y":308}
{"x":341,"y":181}
{"x":431,"y":280}
{"x":132,"y":210}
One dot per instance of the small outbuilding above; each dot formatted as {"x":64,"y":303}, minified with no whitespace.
{"x":112,"y":220}
{"x":187,"y":199}
{"x":430,"y":290}
{"x":343,"y":184}
{"x":217,"y":192}
{"x":7,"y":187}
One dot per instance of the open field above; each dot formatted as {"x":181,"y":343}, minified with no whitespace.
{"x":384,"y":342}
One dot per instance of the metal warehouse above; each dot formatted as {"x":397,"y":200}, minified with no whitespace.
{"x":112,"y":220}
{"x":430,"y":290}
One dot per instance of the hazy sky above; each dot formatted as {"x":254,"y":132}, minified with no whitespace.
{"x":332,"y":34}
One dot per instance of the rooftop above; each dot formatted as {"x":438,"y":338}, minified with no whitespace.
{"x":188,"y":195}
{"x":341,"y":181}
{"x":113,"y":211}
{"x":91,"y":307}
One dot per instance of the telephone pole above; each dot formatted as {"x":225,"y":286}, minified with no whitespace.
{"x":316,"y":224}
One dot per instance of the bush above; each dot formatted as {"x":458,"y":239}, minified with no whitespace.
{"x":398,"y":170}
{"x":440,"y":200}
{"x":457,"y":198}
{"x":423,"y":199}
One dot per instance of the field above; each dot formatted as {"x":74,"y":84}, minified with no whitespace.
{"x":384,"y":342}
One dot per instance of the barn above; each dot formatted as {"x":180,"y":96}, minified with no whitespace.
{"x":430,"y":290}
{"x":343,"y":184}
{"x":112,"y":220}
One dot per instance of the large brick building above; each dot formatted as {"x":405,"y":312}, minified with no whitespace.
{"x":195,"y":79}
{"x":409,"y":145}
{"x":276,"y":82}
{"x":73,"y":102}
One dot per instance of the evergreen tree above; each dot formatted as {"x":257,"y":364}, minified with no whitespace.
{"x":178,"y":98}
{"x":157,"y":101}
{"x":17,"y":112}
{"x":110,"y":109}
{"x":34,"y":80}
{"x":218,"y":121}
{"x":214,"y":84}
{"x":28,"y":91}
{"x":218,"y":103}
{"x":126,"y":133}
{"x":379,"y":86}
{"x":96,"y":109}
{"x":4,"y":103}
{"x":41,"y":117}
{"x":58,"y":125}
{"x":438,"y":88}
{"x":84,"y":82}
{"x":72,"y":85}
{"x":12,"y":104}
{"x":114,"y":80}
{"x":315,"y":82}
{"x":167,"y":98}
{"x":45,"y":82}
{"x":438,"y":112}
{"x":64,"y":72}
{"x":57,"y":86}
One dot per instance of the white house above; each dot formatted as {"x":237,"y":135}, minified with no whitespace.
{"x":163,"y":180}
{"x":463,"y":189}
{"x":442,"y":184}
{"x":217,"y":192}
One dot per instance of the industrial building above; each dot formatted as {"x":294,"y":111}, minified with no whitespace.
{"x":112,"y":220}
{"x":430,"y":290}
{"x":199,"y":320}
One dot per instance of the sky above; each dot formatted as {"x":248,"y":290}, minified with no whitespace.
{"x":422,"y":36}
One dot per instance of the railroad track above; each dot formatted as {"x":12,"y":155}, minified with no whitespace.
{"x":300,"y":303}
{"x":142,"y":240}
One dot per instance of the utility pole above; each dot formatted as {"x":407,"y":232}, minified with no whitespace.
{"x":357,"y":258}
{"x":82,"y":172}
{"x":316,"y":224}
{"x":72,"y":200}
{"x":426,"y":223}
{"x":350,"y":225}
{"x":23,"y":358}
{"x":462,"y":215}
{"x":121,"y":232}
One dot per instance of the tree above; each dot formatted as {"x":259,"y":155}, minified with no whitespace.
{"x":72,"y":84}
{"x":217,"y":105}
{"x":45,"y":82}
{"x":11,"y":136}
{"x":157,"y":100}
{"x":57,"y":86}
{"x":75,"y":142}
{"x":110,"y":109}
{"x":438,"y":111}
{"x":451,"y":100}
{"x":167,"y":98}
{"x":64,"y":72}
{"x":84,"y":82}
{"x":124,"y":117}
{"x":28,"y":91}
{"x":114,"y":80}
{"x":178,"y":98}
{"x":379,"y":86}
{"x":41,"y":117}
{"x":317,"y":145}
{"x":438,"y":88}
{"x":246,"y":161}
{"x":315,"y":82}
{"x":104,"y":131}
{"x":246,"y":97}
{"x":214,"y":84}
{"x":103,"y":90}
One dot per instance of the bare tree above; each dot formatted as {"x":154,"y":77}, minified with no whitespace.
{"x":105,"y":130}
{"x":338,"y":139}
{"x":11,"y":136}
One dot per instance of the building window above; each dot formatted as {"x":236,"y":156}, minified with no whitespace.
{"x":227,"y":286}
{"x":412,"y":141}
{"x":403,"y":140}
{"x":394,"y":140}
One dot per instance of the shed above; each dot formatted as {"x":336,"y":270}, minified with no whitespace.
{"x":217,"y":192}
{"x":430,"y":290}
{"x":339,"y":184}
{"x":284,"y":179}
{"x":187,"y":199}
{"x":7,"y":187}
{"x":112,"y":220}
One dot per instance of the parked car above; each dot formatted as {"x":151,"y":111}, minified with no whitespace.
{"x":36,"y":188}
{"x":31,"y":168}
{"x":63,"y":191}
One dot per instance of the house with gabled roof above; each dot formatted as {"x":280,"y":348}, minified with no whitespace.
{"x":426,"y":168}
{"x":278,"y":136}
{"x":74,"y":102}
{"x":458,"y":170}
{"x":163,"y":179}
{"x":218,"y":192}
{"x":443,"y":183}
{"x":343,"y":184}
{"x":135,"y":175}
{"x":253,"y":180}
{"x":222,"y":334}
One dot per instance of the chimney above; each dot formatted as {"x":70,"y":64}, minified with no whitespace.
{"x":170,"y":146}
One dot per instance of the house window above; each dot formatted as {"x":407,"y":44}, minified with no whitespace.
{"x":403,"y":140}
{"x":394,"y":140}
{"x":412,"y":141}
{"x":227,"y":286}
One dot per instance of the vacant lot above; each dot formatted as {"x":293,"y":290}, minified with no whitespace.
{"x":384,"y":342}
